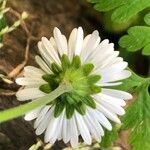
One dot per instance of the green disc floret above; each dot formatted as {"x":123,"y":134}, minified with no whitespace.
{"x":82,"y":81}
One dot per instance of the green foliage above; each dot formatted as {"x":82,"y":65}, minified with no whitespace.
{"x":137,"y":115}
{"x":109,"y":137}
{"x":127,"y":13}
{"x":122,"y":10}
{"x":138,"y":37}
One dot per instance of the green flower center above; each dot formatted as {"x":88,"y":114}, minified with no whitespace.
{"x":82,"y":81}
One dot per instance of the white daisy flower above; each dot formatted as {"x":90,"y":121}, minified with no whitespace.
{"x":91,"y":67}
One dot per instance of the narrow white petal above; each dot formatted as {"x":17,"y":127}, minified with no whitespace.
{"x":109,"y":84}
{"x":50,"y":51}
{"x":74,"y":132}
{"x":109,"y":99}
{"x":84,"y":131}
{"x":42,"y":64}
{"x":65,"y":130}
{"x":29,"y":93}
{"x":57,"y":131}
{"x":91,"y":45}
{"x":65,"y":44}
{"x":41,"y":115}
{"x":79,"y":41}
{"x":108,"y":114}
{"x":110,"y":104}
{"x":32,"y":114}
{"x":84,"y":45}
{"x":113,"y":69}
{"x":115,"y":77}
{"x":71,"y":43}
{"x":102,"y":119}
{"x":44,"y":53}
{"x":59,"y":41}
{"x":29,"y":81}
{"x":117,"y":93}
{"x":30,"y":71}
{"x":45,"y":122}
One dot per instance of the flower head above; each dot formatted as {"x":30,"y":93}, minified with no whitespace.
{"x":91,"y":67}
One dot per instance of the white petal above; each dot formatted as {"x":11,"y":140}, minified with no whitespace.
{"x":115,"y":77}
{"x":117,"y":93}
{"x":50,"y":51}
{"x":79,"y":41}
{"x":44,"y":54}
{"x":109,"y":99}
{"x":41,"y":116}
{"x":33,"y":114}
{"x":113,"y":69}
{"x":108,"y":114}
{"x":109,"y":84}
{"x":42,"y":64}
{"x":30,"y":71}
{"x":45,"y":122}
{"x":52,"y":40}
{"x":65,"y":44}
{"x":29,"y":81}
{"x":110,"y":103}
{"x":91,"y":45}
{"x":29,"y":93}
{"x":59,"y":41}
{"x":74,"y":132}
{"x":102,"y":119}
{"x":51,"y":131}
{"x":84,"y":131}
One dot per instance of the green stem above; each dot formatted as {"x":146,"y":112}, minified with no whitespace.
{"x":15,"y":112}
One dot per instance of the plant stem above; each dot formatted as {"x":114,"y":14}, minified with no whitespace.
{"x":15,"y":112}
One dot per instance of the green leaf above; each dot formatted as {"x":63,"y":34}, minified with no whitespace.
{"x":138,"y":37}
{"x":137,"y":117}
{"x":147,"y":18}
{"x":122,"y":10}
{"x":15,"y":112}
{"x":109,"y":137}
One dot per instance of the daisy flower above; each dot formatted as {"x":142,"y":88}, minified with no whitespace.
{"x":92,"y":67}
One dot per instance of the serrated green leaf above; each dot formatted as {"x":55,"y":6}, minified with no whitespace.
{"x":138,"y":37}
{"x":137,"y":117}
{"x":122,"y":10}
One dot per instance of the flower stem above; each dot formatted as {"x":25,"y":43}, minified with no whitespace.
{"x":15,"y":112}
